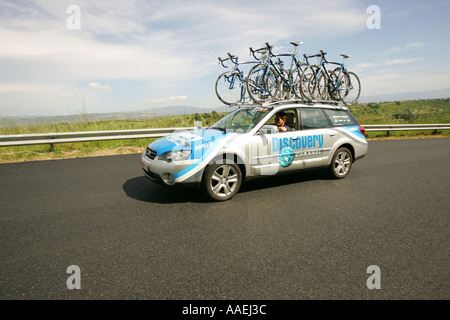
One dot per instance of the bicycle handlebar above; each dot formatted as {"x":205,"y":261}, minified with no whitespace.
{"x":221,"y":61}
{"x":260,"y":50}
{"x":233,"y":58}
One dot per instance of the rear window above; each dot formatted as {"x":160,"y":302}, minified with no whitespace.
{"x":340,"y":117}
{"x":313,"y":118}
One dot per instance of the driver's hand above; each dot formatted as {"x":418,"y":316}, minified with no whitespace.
{"x":282,"y":129}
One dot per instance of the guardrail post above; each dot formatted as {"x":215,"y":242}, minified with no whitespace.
{"x":388,"y":133}
{"x":52,"y":147}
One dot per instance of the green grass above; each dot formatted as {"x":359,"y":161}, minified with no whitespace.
{"x":84,"y":149}
{"x":397,"y":112}
{"x":403,"y":112}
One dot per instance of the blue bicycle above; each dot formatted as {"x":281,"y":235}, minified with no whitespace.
{"x":270,"y":80}
{"x":231,"y":86}
{"x":338,"y":84}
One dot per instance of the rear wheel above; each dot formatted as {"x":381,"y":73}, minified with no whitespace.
{"x":341,"y":163}
{"x":296,"y":80}
{"x":262,"y":83}
{"x":229,"y":88}
{"x":349,"y":88}
{"x":309,"y":82}
{"x":222,"y":181}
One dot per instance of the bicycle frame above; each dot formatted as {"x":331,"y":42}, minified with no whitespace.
{"x":323,"y":71}
{"x":267,"y":62}
{"x":236,"y":75}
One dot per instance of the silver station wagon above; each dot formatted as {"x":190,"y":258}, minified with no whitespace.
{"x":257,"y":140}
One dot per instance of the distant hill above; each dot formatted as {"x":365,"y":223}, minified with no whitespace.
{"x":419,"y":95}
{"x":402,"y":111}
{"x":8,"y":122}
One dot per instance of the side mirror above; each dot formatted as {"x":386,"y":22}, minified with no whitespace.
{"x":268,"y":129}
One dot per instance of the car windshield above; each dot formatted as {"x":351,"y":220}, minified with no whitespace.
{"x":241,"y":120}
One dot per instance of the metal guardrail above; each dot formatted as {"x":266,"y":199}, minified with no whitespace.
{"x":406,"y":127}
{"x":83,"y":136}
{"x":88,"y":136}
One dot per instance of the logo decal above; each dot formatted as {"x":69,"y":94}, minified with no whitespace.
{"x":286,"y":157}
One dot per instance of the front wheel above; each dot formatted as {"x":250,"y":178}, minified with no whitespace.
{"x":349,"y":88}
{"x":308,"y":84}
{"x":262,"y":83}
{"x":222,"y":181}
{"x":229,"y":88}
{"x":341,"y":163}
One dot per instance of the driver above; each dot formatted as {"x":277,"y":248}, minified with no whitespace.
{"x":280,"y":121}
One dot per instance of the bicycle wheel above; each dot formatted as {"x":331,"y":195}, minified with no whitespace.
{"x":327,"y":89}
{"x":229,"y":88}
{"x":262,"y":83}
{"x":296,"y":80}
{"x":308,"y":82}
{"x":284,"y":89}
{"x":349,"y":88}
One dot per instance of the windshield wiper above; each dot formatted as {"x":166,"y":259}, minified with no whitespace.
{"x":218,"y":128}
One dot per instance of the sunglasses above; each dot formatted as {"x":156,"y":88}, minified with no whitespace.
{"x":278,"y":119}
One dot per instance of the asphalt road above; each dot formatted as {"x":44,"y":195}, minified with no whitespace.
{"x":295,"y":237}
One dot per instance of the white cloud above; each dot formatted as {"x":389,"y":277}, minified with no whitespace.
{"x":363,"y":66}
{"x":415,"y":45}
{"x":66,"y":94}
{"x":160,"y":43}
{"x":400,"y":82}
{"x":408,"y":46}
{"x":400,"y":61}
{"x":165,"y":100}
{"x":178,"y":98}
{"x":96,"y":85}
{"x":155,"y":101}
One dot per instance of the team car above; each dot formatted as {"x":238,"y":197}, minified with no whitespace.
{"x":246,"y":143}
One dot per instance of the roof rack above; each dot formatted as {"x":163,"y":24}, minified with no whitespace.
{"x":333,"y":102}
{"x":282,"y":102}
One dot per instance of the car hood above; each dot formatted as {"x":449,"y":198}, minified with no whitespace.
{"x":197,"y":140}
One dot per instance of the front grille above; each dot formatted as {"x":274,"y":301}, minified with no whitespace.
{"x":150,"y":153}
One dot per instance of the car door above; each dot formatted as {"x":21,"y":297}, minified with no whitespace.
{"x":270,"y":153}
{"x":317,"y":137}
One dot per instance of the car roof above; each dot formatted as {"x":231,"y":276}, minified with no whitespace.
{"x":295,"y":103}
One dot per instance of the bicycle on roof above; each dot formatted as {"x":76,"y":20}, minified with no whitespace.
{"x":231,"y":86}
{"x":325,"y":84}
{"x":270,"y":80}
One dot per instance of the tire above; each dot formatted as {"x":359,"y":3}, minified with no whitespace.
{"x":296,"y":81}
{"x":328,"y":91}
{"x":341,"y":163}
{"x":221,"y":181}
{"x":349,"y":88}
{"x":228,"y":88}
{"x":262,"y":83}
{"x":308,"y":81}
{"x":321,"y":90}
{"x":284,"y":91}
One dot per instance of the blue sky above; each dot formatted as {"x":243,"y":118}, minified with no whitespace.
{"x":113,"y":56}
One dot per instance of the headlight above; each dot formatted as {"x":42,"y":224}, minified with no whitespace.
{"x":175,"y":155}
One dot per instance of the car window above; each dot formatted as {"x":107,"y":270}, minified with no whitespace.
{"x":313,"y":119}
{"x":340,"y":117}
{"x":241,"y":120}
{"x":291,"y":121}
